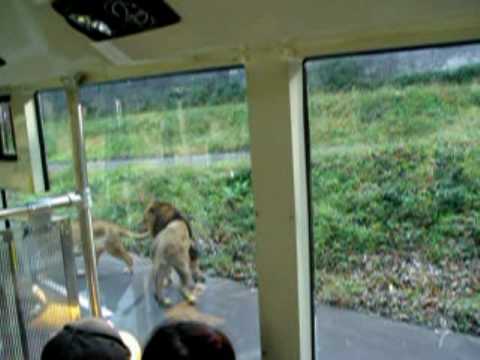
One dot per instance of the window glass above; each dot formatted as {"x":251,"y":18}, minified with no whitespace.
{"x":7,"y":139}
{"x":179,"y":139}
{"x":396,"y":202}
{"x":54,"y":120}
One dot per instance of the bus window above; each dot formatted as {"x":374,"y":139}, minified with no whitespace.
{"x":396,"y":198}
{"x":182,"y":140}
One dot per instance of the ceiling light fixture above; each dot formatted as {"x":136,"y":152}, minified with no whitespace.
{"x":108,"y":19}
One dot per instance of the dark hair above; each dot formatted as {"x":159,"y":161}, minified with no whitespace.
{"x":84,"y":340}
{"x":188,"y":341}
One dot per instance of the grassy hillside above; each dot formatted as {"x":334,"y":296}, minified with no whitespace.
{"x":354,"y":120}
{"x":184,"y":131}
{"x":396,"y":195}
{"x":390,"y":116}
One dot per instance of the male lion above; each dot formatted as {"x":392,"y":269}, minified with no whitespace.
{"x":107,"y":237}
{"x":173,"y":248}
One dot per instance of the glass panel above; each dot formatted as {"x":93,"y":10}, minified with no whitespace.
{"x":396,"y":203}
{"x":54,"y":118}
{"x":184,"y":140}
{"x":7,"y":139}
{"x":181,"y":139}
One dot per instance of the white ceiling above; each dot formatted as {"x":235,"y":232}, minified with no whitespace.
{"x":40,"y":47}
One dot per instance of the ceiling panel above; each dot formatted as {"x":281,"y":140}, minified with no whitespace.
{"x":39,"y":46}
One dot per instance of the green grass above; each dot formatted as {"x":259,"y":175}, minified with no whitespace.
{"x":407,"y":198}
{"x":466,"y":312}
{"x":187,"y":131}
{"x":350,"y":121}
{"x":389,"y":116}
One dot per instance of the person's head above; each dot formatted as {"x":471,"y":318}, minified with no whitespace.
{"x":86,"y":339}
{"x":188,"y":341}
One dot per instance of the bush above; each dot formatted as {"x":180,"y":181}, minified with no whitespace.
{"x":336,"y":75}
{"x":344,"y":74}
{"x":387,"y":200}
{"x":462,"y":75}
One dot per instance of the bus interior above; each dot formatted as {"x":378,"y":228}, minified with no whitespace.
{"x":324,"y":156}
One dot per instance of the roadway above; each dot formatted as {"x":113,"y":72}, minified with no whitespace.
{"x":341,"y":335}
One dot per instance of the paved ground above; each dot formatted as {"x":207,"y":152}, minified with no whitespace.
{"x":341,"y":335}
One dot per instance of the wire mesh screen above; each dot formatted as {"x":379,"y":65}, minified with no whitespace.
{"x":44,"y":281}
{"x":10,"y":338}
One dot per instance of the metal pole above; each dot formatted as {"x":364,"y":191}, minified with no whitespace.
{"x":84,"y":210}
{"x":69,"y":267}
{"x":4,"y":206}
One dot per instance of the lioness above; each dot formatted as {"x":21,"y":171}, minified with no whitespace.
{"x":107,"y":237}
{"x":173,"y":248}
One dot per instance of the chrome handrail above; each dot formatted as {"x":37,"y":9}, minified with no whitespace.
{"x":66,"y":200}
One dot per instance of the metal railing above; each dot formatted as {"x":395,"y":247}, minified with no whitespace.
{"x":81,"y":198}
{"x":67,"y":200}
{"x":38,"y":216}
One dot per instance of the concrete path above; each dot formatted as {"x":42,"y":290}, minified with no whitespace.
{"x":169,"y":160}
{"x":341,"y":335}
